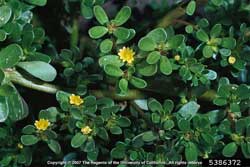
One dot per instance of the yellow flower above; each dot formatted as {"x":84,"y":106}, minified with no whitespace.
{"x":86,"y":130}
{"x":231,"y":60}
{"x":177,"y":57}
{"x":126,"y":54}
{"x":75,"y":100}
{"x":20,"y":146}
{"x":42,"y":124}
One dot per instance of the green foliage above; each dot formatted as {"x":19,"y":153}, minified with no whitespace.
{"x":132,"y":87}
{"x":39,"y":69}
{"x":191,"y":8}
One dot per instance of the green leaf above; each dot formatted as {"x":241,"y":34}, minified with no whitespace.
{"x":142,"y":103}
{"x":133,"y":155}
{"x":86,"y":11}
{"x":189,"y":110}
{"x":118,"y":152}
{"x":5,"y":14}
{"x":225,"y":127}
{"x":211,"y":75}
{"x":90,"y":100}
{"x":37,"y":2}
{"x":62,"y":96}
{"x":123,"y":122}
{"x":100,"y":15}
{"x":147,"y":69}
{"x":189,"y":29}
{"x":234,"y":107}
{"x":184,"y":125}
{"x":168,"y":106}
{"x":228,"y":42}
{"x":240,"y":126}
{"x":78,"y":140}
{"x":230,"y":149}
{"x":4,"y":110}
{"x":123,"y":85}
{"x":223,"y":91}
{"x":207,"y":51}
{"x":225,"y":52}
{"x":153,"y":57}
{"x":54,"y":146}
{"x":216,"y":30}
{"x":191,"y":8}
{"x":196,"y":67}
{"x":220,"y":101}
{"x":122,"y":33}
{"x":28,"y":140}
{"x":103,"y":134}
{"x":131,"y":36}
{"x":29,"y":129}
{"x":215,"y":116}
{"x":50,"y":134}
{"x":2,"y":76}
{"x":243,"y":92}
{"x":191,"y":152}
{"x":37,"y":56}
{"x":148,"y":136}
{"x":156,"y":118}
{"x":147,"y":44}
{"x":97,"y":32}
{"x":39,"y":34}
{"x":245,"y":149}
{"x":239,"y":64}
{"x":6,"y":90}
{"x":50,"y":114}
{"x":202,"y":35}
{"x":3,"y":35}
{"x":106,"y":46}
{"x":217,"y":2}
{"x":92,"y":155}
{"x":122,"y":16}
{"x":203,"y":23}
{"x":169,"y":124}
{"x":17,"y":107}
{"x":158,"y":35}
{"x":138,"y":82}
{"x":110,"y":59}
{"x":6,"y":160}
{"x":165,"y":65}
{"x":207,"y":138}
{"x":154,"y":105}
{"x":116,"y":130}
{"x":27,"y":37}
{"x":10,"y":56}
{"x":113,"y":70}
{"x":39,"y":69}
{"x":175,"y":41}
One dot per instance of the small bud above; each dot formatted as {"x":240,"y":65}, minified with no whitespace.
{"x":177,"y":57}
{"x":231,"y":60}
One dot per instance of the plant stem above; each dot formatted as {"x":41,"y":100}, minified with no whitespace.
{"x":169,"y":18}
{"x":75,"y":33}
{"x":176,"y":13}
{"x":185,"y":23}
{"x":17,"y":78}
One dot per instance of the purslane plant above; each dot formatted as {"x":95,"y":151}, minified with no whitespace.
{"x":176,"y":91}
